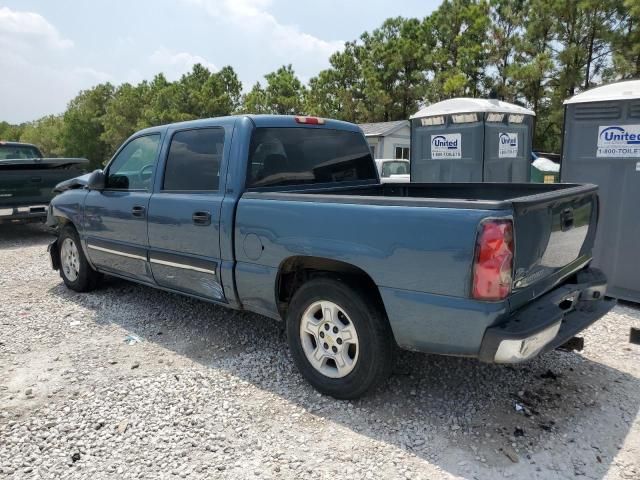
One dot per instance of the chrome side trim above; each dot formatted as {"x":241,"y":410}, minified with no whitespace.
{"x":182,"y":265}
{"x":116,"y":252}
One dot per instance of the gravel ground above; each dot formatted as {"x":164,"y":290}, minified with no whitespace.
{"x":212,"y":393}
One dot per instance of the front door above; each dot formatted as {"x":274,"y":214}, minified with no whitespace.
{"x":115,"y":219}
{"x":184,"y":214}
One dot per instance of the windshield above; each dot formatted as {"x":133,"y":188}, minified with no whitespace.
{"x":18,"y":151}
{"x":395,"y":168}
{"x":295,"y":156}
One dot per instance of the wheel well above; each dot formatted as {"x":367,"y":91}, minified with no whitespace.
{"x":295,"y":271}
{"x":61,"y":222}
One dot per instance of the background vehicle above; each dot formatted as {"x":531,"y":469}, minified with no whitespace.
{"x":393,"y":170}
{"x":27,"y":180}
{"x":285,"y":216}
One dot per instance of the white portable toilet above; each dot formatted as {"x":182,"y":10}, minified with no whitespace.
{"x":601,"y":145}
{"x":471,"y":140}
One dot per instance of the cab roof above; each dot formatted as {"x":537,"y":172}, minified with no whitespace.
{"x":259,"y":121}
{"x":17,"y":144}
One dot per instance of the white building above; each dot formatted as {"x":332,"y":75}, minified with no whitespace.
{"x":388,"y":139}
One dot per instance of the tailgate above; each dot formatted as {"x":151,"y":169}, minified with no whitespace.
{"x":554,"y":235}
{"x":31,"y":181}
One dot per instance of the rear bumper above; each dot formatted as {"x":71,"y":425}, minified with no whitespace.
{"x":26,"y":213}
{"x":549,"y":321}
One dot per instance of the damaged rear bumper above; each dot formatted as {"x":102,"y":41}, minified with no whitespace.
{"x":549,"y":321}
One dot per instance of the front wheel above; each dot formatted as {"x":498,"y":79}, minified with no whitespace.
{"x":339,"y":338}
{"x":75,"y":270}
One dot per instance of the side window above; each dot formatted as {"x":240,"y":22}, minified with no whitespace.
{"x":133,"y":168}
{"x":193,"y":162}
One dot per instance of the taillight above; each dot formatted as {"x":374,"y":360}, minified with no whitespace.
{"x":310,"y":120}
{"x":493,"y":266}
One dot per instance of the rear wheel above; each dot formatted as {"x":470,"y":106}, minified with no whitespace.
{"x":75,"y":270}
{"x":339,"y":339}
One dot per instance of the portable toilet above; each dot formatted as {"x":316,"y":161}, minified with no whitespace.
{"x":471,"y":140}
{"x":601,"y":145}
{"x":544,"y":169}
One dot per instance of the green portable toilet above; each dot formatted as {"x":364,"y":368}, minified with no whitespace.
{"x":544,"y":170}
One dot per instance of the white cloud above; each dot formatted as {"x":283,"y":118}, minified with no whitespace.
{"x":253,"y":18}
{"x":38,"y":71}
{"x":173,"y":64}
{"x":41,"y":68}
{"x":28,"y":30}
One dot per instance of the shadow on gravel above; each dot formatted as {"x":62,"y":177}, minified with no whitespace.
{"x":23,"y":235}
{"x":430,"y":406}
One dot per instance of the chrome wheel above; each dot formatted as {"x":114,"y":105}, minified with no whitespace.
{"x":70,"y":259}
{"x":329,"y":339}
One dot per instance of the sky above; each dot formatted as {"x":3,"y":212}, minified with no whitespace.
{"x":50,"y":50}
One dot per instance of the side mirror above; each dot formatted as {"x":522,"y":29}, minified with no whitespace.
{"x":97,"y":180}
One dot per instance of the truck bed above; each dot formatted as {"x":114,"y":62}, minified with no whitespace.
{"x":26,"y":182}
{"x":485,"y":196}
{"x":554,"y":224}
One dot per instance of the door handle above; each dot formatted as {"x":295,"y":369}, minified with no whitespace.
{"x":138,"y":211}
{"x":201,"y":218}
{"x":36,"y":179}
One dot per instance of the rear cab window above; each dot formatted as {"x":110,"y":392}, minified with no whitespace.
{"x":9,"y":151}
{"x":283,"y":156}
{"x":394,"y":168}
{"x":194,"y":159}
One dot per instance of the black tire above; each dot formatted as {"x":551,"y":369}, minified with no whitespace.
{"x":87,"y":278}
{"x":376,"y":346}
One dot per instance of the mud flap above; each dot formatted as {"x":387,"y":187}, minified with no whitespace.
{"x":54,"y":254}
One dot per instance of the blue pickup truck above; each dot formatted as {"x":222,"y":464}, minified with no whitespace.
{"x":285,"y":216}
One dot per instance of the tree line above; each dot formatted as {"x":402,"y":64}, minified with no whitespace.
{"x":534,"y":53}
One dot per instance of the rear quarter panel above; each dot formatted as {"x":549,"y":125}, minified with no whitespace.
{"x":411,"y":249}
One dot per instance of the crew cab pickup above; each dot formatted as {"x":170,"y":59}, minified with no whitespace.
{"x":286,"y":216}
{"x":27,"y":180}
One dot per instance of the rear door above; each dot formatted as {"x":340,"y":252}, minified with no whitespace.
{"x":115,"y":219}
{"x":184,"y":213}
